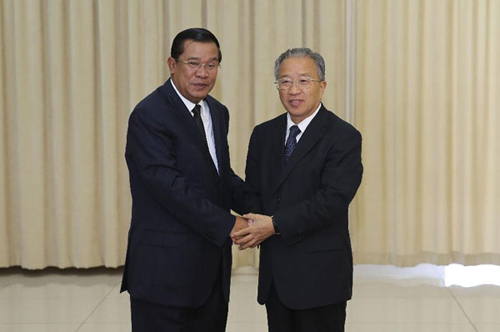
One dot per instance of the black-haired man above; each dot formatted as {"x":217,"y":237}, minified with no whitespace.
{"x":178,"y":262}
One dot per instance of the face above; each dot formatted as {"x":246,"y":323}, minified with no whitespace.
{"x":300,"y":103}
{"x":194,"y":84}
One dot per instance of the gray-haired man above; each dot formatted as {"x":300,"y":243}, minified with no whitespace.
{"x":303,"y":169}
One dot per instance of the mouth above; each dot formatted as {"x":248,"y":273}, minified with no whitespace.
{"x":295,"y":102}
{"x":199,"y":86}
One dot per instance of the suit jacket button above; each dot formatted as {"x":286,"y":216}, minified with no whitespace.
{"x":278,"y":200}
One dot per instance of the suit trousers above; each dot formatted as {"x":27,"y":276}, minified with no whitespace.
{"x":153,"y":317}
{"x":330,"y":318}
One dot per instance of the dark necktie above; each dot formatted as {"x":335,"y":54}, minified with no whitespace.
{"x":291,"y":142}
{"x":199,"y":121}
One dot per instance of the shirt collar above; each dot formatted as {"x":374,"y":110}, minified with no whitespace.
{"x":189,"y":105}
{"x":302,"y":124}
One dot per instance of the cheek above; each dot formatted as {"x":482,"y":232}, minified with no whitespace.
{"x":282,"y":97}
{"x":212,"y":80}
{"x":315,"y":96}
{"x":186,"y":77}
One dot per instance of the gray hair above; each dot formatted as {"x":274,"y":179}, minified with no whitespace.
{"x":301,"y":52}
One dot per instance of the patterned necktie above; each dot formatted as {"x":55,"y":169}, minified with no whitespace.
{"x":291,"y":142}
{"x":199,"y":121}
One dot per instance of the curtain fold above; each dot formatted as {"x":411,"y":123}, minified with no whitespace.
{"x":422,"y":83}
{"x":427,"y":75}
{"x":70,"y":74}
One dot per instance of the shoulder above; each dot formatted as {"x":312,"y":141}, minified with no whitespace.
{"x":217,"y":106}
{"x":155,"y":105}
{"x":337,"y":125}
{"x":271,"y":125}
{"x":214,"y":102}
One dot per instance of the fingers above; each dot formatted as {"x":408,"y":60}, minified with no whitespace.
{"x":238,"y":237}
{"x":242,"y":232}
{"x":252,"y":236}
{"x":250,"y":244}
{"x":256,"y":244}
{"x":245,"y":242}
{"x":250,"y":216}
{"x":244,"y":238}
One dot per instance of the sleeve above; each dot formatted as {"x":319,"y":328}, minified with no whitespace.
{"x":151,"y":148}
{"x":253,"y":176}
{"x":236,"y":183}
{"x":238,"y":199}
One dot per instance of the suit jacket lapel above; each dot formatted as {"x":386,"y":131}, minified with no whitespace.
{"x":314,"y":131}
{"x":277,"y":147}
{"x":186,"y":120}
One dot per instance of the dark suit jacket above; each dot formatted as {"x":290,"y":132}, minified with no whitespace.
{"x":310,"y":262}
{"x":180,"y":227}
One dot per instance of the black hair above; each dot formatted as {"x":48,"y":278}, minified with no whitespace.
{"x":196,"y":34}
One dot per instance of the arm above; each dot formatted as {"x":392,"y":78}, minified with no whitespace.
{"x":237,"y":193}
{"x":253,"y":178}
{"x":260,"y":227}
{"x":339,"y":182}
{"x":151,"y":149}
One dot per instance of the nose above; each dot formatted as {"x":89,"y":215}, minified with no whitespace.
{"x":294,"y":89}
{"x":202,"y":71}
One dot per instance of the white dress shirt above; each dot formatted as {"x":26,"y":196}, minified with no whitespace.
{"x":207,"y":123}
{"x":302,"y":124}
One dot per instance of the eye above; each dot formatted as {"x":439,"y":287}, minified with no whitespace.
{"x":286,"y":82}
{"x":211,"y":65}
{"x":193,"y":64}
{"x":304,"y":81}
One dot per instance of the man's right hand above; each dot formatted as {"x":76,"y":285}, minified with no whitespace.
{"x":240,"y":224}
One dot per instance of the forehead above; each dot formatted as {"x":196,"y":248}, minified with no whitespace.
{"x":194,"y":49}
{"x":297,"y":66}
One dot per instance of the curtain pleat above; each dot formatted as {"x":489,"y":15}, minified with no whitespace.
{"x":72,"y":71}
{"x":427,"y":76}
{"x":421,"y":83}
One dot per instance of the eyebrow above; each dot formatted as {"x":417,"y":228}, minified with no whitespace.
{"x":199,"y":59}
{"x":301,"y":74}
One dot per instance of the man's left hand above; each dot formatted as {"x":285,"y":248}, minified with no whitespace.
{"x":256,"y":232}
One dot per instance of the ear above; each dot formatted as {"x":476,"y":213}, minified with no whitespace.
{"x":171,"y":65}
{"x":322,"y":87}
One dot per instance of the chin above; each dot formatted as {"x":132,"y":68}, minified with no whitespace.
{"x":200,"y":94}
{"x":296,"y":113}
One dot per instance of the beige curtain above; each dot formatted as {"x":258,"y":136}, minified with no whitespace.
{"x":419,"y":78}
{"x":72,"y":70}
{"x":427,"y":99}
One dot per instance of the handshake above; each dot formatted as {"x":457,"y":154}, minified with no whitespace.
{"x":251,"y":230}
